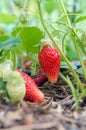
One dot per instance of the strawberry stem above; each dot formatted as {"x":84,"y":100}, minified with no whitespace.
{"x":63,"y":77}
{"x":25,"y":4}
{"x":14,"y":60}
{"x":72,"y":34}
{"x":61,"y":52}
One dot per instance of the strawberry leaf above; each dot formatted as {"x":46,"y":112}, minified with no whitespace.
{"x":30,"y":37}
{"x":3,"y":92}
{"x":8,"y":44}
{"x":3,"y":37}
{"x":9,"y":19}
{"x":80,"y":18}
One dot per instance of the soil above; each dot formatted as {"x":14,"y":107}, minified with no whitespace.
{"x":57,"y":112}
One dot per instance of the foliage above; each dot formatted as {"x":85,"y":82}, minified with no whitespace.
{"x":3,"y":93}
{"x":23,"y":31}
{"x":74,"y":36}
{"x":10,"y":43}
{"x":30,"y":37}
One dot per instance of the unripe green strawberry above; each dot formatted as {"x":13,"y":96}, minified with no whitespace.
{"x":49,"y":59}
{"x":83,"y":38}
{"x":16,"y":86}
{"x":5,"y":69}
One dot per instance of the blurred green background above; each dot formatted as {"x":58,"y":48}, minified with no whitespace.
{"x":21,"y":13}
{"x":12,"y":12}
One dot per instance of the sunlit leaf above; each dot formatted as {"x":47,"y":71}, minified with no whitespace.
{"x":7,"y":18}
{"x":48,"y":6}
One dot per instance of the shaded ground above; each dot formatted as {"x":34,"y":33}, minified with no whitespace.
{"x":57,"y":112}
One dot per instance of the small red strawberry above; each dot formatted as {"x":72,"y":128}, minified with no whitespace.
{"x":40,"y":80}
{"x":32,"y":92}
{"x":27,"y":64}
{"x":49,"y":59}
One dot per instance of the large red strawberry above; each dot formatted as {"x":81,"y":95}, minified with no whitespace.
{"x":32,"y":92}
{"x":42,"y":78}
{"x":49,"y":59}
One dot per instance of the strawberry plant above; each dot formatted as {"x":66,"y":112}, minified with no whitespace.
{"x":76,"y":42}
{"x":42,"y":64}
{"x":66,"y":44}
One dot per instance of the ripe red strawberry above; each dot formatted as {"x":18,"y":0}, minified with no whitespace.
{"x":49,"y":59}
{"x":33,"y":94}
{"x":40,"y":80}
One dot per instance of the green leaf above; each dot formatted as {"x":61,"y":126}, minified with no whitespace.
{"x":80,"y":18}
{"x":3,"y":37}
{"x":30,"y":37}
{"x":50,"y":6}
{"x":3,"y":92}
{"x":7,"y":18}
{"x":70,"y":51}
{"x":10,"y":43}
{"x":2,"y":87}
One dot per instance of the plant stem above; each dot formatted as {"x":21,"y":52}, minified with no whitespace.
{"x":72,"y":14}
{"x":14,"y":60}
{"x":80,"y":58}
{"x":63,"y":77}
{"x":63,"y":41}
{"x":25,"y":4}
{"x":64,"y":12}
{"x":74,"y":92}
{"x":62,"y":54}
{"x":72,"y":34}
